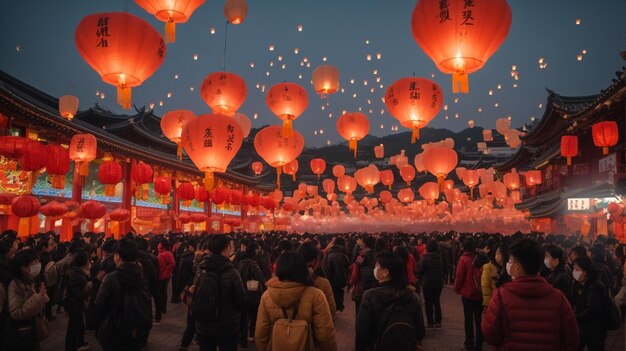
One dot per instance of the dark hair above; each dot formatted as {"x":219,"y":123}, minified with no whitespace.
{"x":580,"y":251}
{"x":251,"y":248}
{"x":141,"y":242}
{"x":127,"y":250}
{"x":21,"y":259}
{"x":76,"y":245}
{"x":284,"y":245}
{"x":556,"y":253}
{"x":80,"y":258}
{"x":369,"y":242}
{"x":109,"y":245}
{"x":396,"y":267}
{"x":469,"y":244}
{"x":218,"y":243}
{"x":403,"y":252}
{"x":165,"y":244}
{"x":432,"y":246}
{"x":528,"y":254}
{"x":586,"y":265}
{"x":308,"y":251}
{"x":339,"y":241}
{"x":6,"y":244}
{"x":597,"y":254}
{"x":291,"y":266}
{"x":381,"y":244}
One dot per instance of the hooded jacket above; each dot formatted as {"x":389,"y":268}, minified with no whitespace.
{"x":430,"y":272}
{"x":529,"y":314}
{"x":336,"y":266}
{"x":312,"y":307}
{"x":467,"y":279}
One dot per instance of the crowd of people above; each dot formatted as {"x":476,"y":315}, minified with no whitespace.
{"x":283,"y":291}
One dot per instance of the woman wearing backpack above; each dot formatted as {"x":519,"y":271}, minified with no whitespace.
{"x":292,"y":293}
{"x":254,"y":284}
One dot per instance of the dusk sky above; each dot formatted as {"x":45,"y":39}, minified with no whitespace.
{"x":37,"y":46}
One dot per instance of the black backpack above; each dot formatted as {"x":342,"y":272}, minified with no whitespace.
{"x":134,"y":322}
{"x":206,"y":298}
{"x":396,"y":329}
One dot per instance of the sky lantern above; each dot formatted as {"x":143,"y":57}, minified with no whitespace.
{"x":448,"y":184}
{"x":224,"y":92}
{"x":68,"y":106}
{"x":257,"y":167}
{"x":408,"y":173}
{"x":386,"y":177}
{"x":109,"y":174}
{"x":244,"y":122}
{"x":329,"y":186}
{"x":368,"y":177}
{"x":339,"y":170}
{"x":141,"y":174}
{"x":276,"y":149}
{"x":569,"y":147}
{"x":25,"y":207}
{"x":414,"y":102}
{"x":346,"y":184}
{"x":419,"y":165}
{"x":470,"y":179}
{"x":605,"y":135}
{"x":291,"y":169}
{"x":533,"y":177}
{"x":460,"y":35}
{"x":318,"y":166}
{"x":83,"y":149}
{"x":326,"y":80}
{"x":212,"y":141}
{"x":511,"y":137}
{"x":429,"y":191}
{"x":503,"y":125}
{"x":511,"y":180}
{"x":235,"y":11}
{"x":401,"y":160}
{"x":170,"y":12}
{"x":287,"y":101}
{"x":439,"y":161}
{"x":124,"y":49}
{"x":57,"y":165}
{"x":385,"y":196}
{"x":353,"y":126}
{"x":406,"y":195}
{"x":172,"y":124}
{"x":163,"y":187}
{"x":379,"y":151}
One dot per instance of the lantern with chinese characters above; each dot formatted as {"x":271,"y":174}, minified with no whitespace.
{"x":569,"y":147}
{"x":318,"y":166}
{"x":57,"y":165}
{"x":141,"y":175}
{"x":291,"y":169}
{"x":429,"y":191}
{"x":212,"y":141}
{"x":439,"y":161}
{"x":386,"y":177}
{"x":406,"y":195}
{"x":353,"y":126}
{"x":257,"y":167}
{"x":346,"y":184}
{"x":118,"y":216}
{"x":470,"y":179}
{"x":533,"y":177}
{"x":224,"y":92}
{"x":83,"y":148}
{"x":414,"y":102}
{"x":202,"y":195}
{"x":287,"y":101}
{"x":68,"y":106}
{"x":605,"y":135}
{"x":339,"y":170}
{"x":124,"y":49}
{"x":460,"y":35}
{"x":109,"y":174}
{"x":276,"y":149}
{"x":172,"y":124}
{"x":170,"y":12}
{"x":244,"y":123}
{"x":163,"y":187}
{"x":326,"y":80}
{"x":379,"y":151}
{"x":408,"y":173}
{"x":368,"y":177}
{"x":235,"y":11}
{"x":25,"y":207}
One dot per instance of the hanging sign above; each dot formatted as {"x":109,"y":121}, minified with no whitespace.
{"x":578,"y":204}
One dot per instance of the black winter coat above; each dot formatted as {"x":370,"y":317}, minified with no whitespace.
{"x":149,"y":270}
{"x":336,"y":266}
{"x":589,"y":306}
{"x":232,"y":299}
{"x":561,"y":279}
{"x":185,"y":269}
{"x":76,"y":290}
{"x":430,"y":273}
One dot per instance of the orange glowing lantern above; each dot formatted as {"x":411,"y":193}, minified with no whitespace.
{"x":187,"y":192}
{"x":470,"y":179}
{"x":487,"y":135}
{"x":57,"y":165}
{"x":533,"y":177}
{"x":224,"y":92}
{"x":408,"y":173}
{"x":353,"y":127}
{"x":34,"y":157}
{"x":318,"y":166}
{"x":257,"y":167}
{"x":276,"y":149}
{"x":439,"y":161}
{"x":68,"y":106}
{"x":83,"y":148}
{"x":235,"y":11}
{"x":406,"y":195}
{"x":172,"y":124}
{"x":385,"y":196}
{"x":212,"y":141}
{"x":512,"y":181}
{"x":346,"y":184}
{"x":201,"y":195}
{"x":448,"y":184}
{"x":170,"y":12}
{"x":379,"y":151}
{"x":141,"y":174}
{"x":429,"y":191}
{"x":339,"y":170}
{"x":414,"y":102}
{"x":124,"y":49}
{"x":419,"y":165}
{"x":244,"y":122}
{"x":163,"y":187}
{"x":287,"y":101}
{"x":460,"y":36}
{"x":291,"y":169}
{"x":329,"y":186}
{"x":109,"y":174}
{"x":326,"y":80}
{"x":569,"y":147}
{"x":367,"y":177}
{"x":605,"y":135}
{"x":25,"y":207}
{"x":386,"y":177}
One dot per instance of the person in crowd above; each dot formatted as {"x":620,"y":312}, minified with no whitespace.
{"x":184,"y":269}
{"x":491,"y":273}
{"x":590,"y":305}
{"x":223,"y":332}
{"x":148,"y":269}
{"x":576,"y":252}
{"x":76,"y":293}
{"x":528,"y":313}
{"x":376,"y":308}
{"x":362,"y":272}
{"x":293,"y":291}
{"x":166,"y":267}
{"x":466,"y":284}
{"x":8,"y":248}
{"x":409,"y":261}
{"x":336,"y":266}
{"x":254,"y":284}
{"x":598,"y":256}
{"x":430,"y":277}
{"x":558,"y":276}
{"x":311,"y":255}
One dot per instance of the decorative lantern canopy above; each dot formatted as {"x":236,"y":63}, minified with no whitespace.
{"x":386,"y":177}
{"x":57,"y":165}
{"x":353,"y":127}
{"x":276,"y":149}
{"x":287,"y":101}
{"x":224,"y":92}
{"x":291,"y":169}
{"x":605,"y":135}
{"x":163,"y":187}
{"x":429,"y":191}
{"x":406,"y":195}
{"x":379,"y":151}
{"x":68,"y":106}
{"x":172,"y":124}
{"x":368,"y":177}
{"x":346,"y":184}
{"x":470,"y":179}
{"x":487,"y":135}
{"x":459,"y":35}
{"x":235,"y":11}
{"x":257,"y":167}
{"x":244,"y":122}
{"x":329,"y":186}
{"x":83,"y":148}
{"x":170,"y":12}
{"x":326,"y":80}
{"x":24,"y":207}
{"x":212,"y":141}
{"x":439,"y":161}
{"x":339,"y":170}
{"x":318,"y":166}
{"x":141,"y":174}
{"x":511,"y":180}
{"x":124,"y":49}
{"x":109,"y":174}
{"x":414,"y":102}
{"x":408,"y":173}
{"x":533,"y":177}
{"x":569,"y":147}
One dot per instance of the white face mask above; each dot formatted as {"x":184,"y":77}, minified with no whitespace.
{"x":508,"y":269}
{"x":376,"y":269}
{"x":35,"y":269}
{"x":577,"y":274}
{"x":547,"y":262}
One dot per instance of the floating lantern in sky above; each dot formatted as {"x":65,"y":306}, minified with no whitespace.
{"x":299,"y":28}
{"x":326,"y":80}
{"x":277,"y":149}
{"x":224,"y":92}
{"x":212,"y":30}
{"x":257,"y":167}
{"x":287,"y":101}
{"x":439,"y":161}
{"x":244,"y":123}
{"x":68,"y":106}
{"x":353,"y":127}
{"x":170,"y":12}
{"x":172,"y":124}
{"x":235,"y":11}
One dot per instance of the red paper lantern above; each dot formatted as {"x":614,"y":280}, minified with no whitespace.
{"x":219,"y":195}
{"x":202,"y":195}
{"x":13,"y":147}
{"x":533,"y":177}
{"x":224,"y":92}
{"x":387,"y":178}
{"x":57,"y":165}
{"x":439,"y":161}
{"x":93,"y":210}
{"x":257,"y":167}
{"x":186,"y":191}
{"x":124,"y":49}
{"x":236,"y":197}
{"x":459,"y":35}
{"x":109,"y":174}
{"x":318,"y":166}
{"x":346,"y":184}
{"x":326,"y":80}
{"x":184,"y":218}
{"x":408,"y":173}
{"x":141,"y":174}
{"x":34,"y":157}
{"x":276,"y":149}
{"x":569,"y":147}
{"x":605,"y":135}
{"x":287,"y":101}
{"x":291,"y":169}
{"x":83,"y":149}
{"x":170,"y":12}
{"x":353,"y":127}
{"x":119,"y":215}
{"x":235,"y":11}
{"x":368,"y":177}
{"x":406,"y":195}
{"x":429,"y":191}
{"x":511,"y":180}
{"x":25,"y":206}
{"x":172,"y":124}
{"x":198,"y":217}
{"x":68,"y":106}
{"x":53,"y":209}
{"x":329,"y":186}
{"x":379,"y":151}
{"x":163,"y":187}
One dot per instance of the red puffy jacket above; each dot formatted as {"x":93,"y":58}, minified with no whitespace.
{"x":529,"y":314}
{"x":467,"y":279}
{"x":166,"y":264}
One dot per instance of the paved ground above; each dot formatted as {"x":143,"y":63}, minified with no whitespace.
{"x":166,"y":336}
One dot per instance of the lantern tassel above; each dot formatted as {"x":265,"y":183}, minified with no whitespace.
{"x":278,"y":171}
{"x":352,"y":145}
{"x":415,"y":135}
{"x":170,"y":31}
{"x":179,"y":151}
{"x":390,"y":186}
{"x":569,"y":160}
{"x":605,"y":150}
{"x":472,"y":193}
{"x":109,"y":190}
{"x":23,"y":229}
{"x":460,"y":82}
{"x":124,"y":96}
{"x":66,"y":229}
{"x":165,"y":199}
{"x":287,"y":127}
{"x":57,"y":181}
{"x":209,"y":181}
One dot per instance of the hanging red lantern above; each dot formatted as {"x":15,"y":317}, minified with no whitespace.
{"x":408,"y":173}
{"x":83,"y":149}
{"x":257,"y":167}
{"x":24,"y":207}
{"x":569,"y":147}
{"x":353,"y":127}
{"x":109,"y":174}
{"x":511,"y":180}
{"x":186,"y":192}
{"x":92,"y":210}
{"x":605,"y":134}
{"x":533,"y":177}
{"x":202,"y":195}
{"x":386,"y":177}
{"x":224,"y":92}
{"x":170,"y":12}
{"x":141,"y":174}
{"x":117,"y":216}
{"x":68,"y":106}
{"x":163,"y":187}
{"x":459,"y":35}
{"x":276,"y":149}
{"x":57,"y":165}
{"x":326,"y":80}
{"x":13,"y":147}
{"x":34,"y":157}
{"x":184,"y":218}
{"x":235,"y":11}
{"x":124,"y":49}
{"x":53,"y":209}
{"x":287,"y":101}
{"x":172,"y":124}
{"x":318,"y":166}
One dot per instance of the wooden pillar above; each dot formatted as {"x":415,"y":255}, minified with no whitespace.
{"x":78,"y":181}
{"x":208,"y":210}
{"x":127,"y":194}
{"x":244,"y":209}
{"x":176,"y":208}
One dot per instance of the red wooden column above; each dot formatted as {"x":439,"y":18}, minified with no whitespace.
{"x":78,"y":182}
{"x":176,"y":208}
{"x":127,"y":194}
{"x":244,"y":208}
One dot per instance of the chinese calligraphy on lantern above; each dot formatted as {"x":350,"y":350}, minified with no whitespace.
{"x":103,"y":32}
{"x":208,"y":137}
{"x":444,"y":11}
{"x":468,"y":20}
{"x":230,"y":137}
